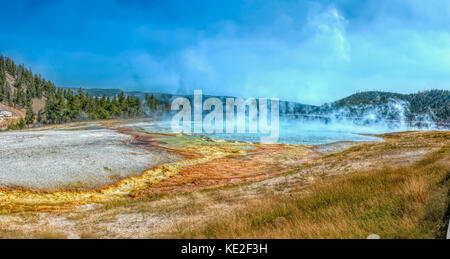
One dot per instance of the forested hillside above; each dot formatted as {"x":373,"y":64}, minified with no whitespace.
{"x":435,"y":103}
{"x":34,"y":100}
{"x":22,"y":91}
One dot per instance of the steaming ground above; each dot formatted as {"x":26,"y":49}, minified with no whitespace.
{"x":83,"y":157}
{"x":58,"y":159}
{"x":293,"y":132}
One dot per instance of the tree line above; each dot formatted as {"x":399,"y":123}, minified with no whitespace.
{"x":434,"y":102}
{"x":61,"y":104}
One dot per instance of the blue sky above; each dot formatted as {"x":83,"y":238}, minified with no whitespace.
{"x":307,"y":51}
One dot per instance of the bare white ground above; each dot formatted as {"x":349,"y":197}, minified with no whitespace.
{"x":56,"y":159}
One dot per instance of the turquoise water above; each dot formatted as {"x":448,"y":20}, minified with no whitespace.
{"x":291,"y":133}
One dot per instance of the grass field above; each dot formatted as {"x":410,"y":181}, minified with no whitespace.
{"x":404,"y":202}
{"x":398,"y":188}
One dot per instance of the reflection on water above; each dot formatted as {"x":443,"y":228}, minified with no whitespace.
{"x":290,"y":133}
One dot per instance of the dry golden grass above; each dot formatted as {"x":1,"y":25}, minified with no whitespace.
{"x":39,"y":235}
{"x":403,"y":202}
{"x":350,"y":194}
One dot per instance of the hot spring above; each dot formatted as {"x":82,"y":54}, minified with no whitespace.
{"x":291,"y":132}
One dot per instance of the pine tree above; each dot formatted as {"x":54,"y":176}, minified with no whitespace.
{"x":2,"y":92}
{"x":29,"y":117}
{"x":9,"y":99}
{"x":151,"y":102}
{"x":39,"y":117}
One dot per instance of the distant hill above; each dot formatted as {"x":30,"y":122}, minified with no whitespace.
{"x":432,"y":103}
{"x":32,"y":100}
{"x":416,"y":109}
{"x":286,"y":107}
{"x":113,"y":92}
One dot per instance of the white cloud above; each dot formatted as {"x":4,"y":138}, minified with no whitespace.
{"x":312,"y":56}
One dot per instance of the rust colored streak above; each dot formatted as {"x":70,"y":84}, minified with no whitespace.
{"x":147,"y":142}
{"x":150,"y":141}
{"x":262,"y":163}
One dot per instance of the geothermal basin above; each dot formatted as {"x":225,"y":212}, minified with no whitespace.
{"x":96,"y":155}
{"x":65,"y":166}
